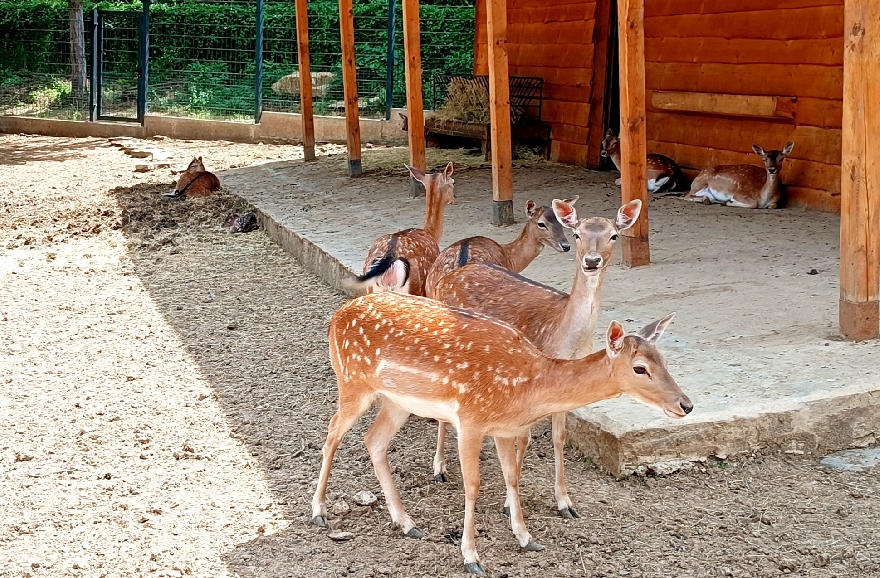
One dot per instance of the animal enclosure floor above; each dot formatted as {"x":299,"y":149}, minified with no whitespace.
{"x":756,"y":293}
{"x":165,"y":391}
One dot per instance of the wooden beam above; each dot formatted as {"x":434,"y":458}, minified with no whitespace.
{"x":599,"y":84}
{"x":349,"y":85}
{"x":860,"y":175}
{"x":725,"y":104}
{"x":633,"y":132}
{"x":305,"y":79}
{"x":499,"y":113}
{"x":412,"y":49}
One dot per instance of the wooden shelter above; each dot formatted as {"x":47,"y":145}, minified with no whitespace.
{"x":696,"y":80}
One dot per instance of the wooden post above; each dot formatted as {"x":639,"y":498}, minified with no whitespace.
{"x":601,"y":51}
{"x":349,"y":85}
{"x":633,"y":132}
{"x":499,"y":113}
{"x":305,"y":79}
{"x":412,"y":49}
{"x":860,"y":173}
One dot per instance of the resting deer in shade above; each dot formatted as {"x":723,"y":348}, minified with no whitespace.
{"x":560,"y":325}
{"x":542,"y":229}
{"x":663,"y":172}
{"x":424,"y":358}
{"x":400,"y":261}
{"x":745,"y":186}
{"x":196,"y":181}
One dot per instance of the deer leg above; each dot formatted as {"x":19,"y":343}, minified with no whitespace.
{"x":522,"y":444}
{"x":440,"y":454}
{"x":389,"y":421}
{"x":469,"y":446}
{"x":510,"y":467}
{"x":733,"y":203}
{"x":563,"y":501}
{"x":349,"y":411}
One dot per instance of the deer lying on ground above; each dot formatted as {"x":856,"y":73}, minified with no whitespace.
{"x":663,"y":173}
{"x":424,"y":358}
{"x":745,"y":186}
{"x":560,"y":325}
{"x":196,"y":181}
{"x":400,"y":261}
{"x":542,"y":229}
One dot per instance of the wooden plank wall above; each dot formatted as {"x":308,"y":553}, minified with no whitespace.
{"x":751,"y":47}
{"x":552,"y":39}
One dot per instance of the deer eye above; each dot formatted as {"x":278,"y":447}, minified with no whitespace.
{"x":542,"y":226}
{"x":576,"y":236}
{"x":640,"y":369}
{"x":613,"y":237}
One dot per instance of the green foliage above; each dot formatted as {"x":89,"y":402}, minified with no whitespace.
{"x":202,"y":52}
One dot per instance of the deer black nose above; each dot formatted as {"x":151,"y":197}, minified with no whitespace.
{"x":592,"y":262}
{"x":772,"y":170}
{"x":565,"y":247}
{"x":686,"y":406}
{"x":603,"y":154}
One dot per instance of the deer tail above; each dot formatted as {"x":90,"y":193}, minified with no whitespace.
{"x":388,"y":272}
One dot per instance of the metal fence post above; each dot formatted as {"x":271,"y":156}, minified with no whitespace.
{"x":93,"y":83}
{"x":258,"y":75}
{"x":389,"y":63}
{"x":144,"y":62}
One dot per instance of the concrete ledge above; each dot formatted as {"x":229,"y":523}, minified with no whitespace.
{"x":201,"y":129}
{"x":68,"y":128}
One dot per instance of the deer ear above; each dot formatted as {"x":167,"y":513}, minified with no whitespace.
{"x":628,"y":214}
{"x":572,"y":200}
{"x":608,"y":132}
{"x":759,"y":150}
{"x":788,"y":148}
{"x":565,"y":213}
{"x":402,"y":116}
{"x":417,"y":174}
{"x":447,"y":172}
{"x":531,"y":208}
{"x":614,"y":338}
{"x":654,"y":331}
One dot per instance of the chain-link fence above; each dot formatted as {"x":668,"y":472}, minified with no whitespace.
{"x":203,"y":57}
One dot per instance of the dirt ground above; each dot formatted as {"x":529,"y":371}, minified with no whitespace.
{"x":165,"y":389}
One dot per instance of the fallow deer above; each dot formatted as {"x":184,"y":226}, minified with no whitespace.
{"x":196,"y":181}
{"x":542,"y":229}
{"x":663,"y":172}
{"x":560,"y":325}
{"x":745,"y":186}
{"x":400,"y":261}
{"x":424,"y":358}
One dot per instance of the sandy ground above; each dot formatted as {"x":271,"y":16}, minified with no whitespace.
{"x":164,"y":393}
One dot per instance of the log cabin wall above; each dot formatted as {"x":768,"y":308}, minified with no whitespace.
{"x":551,"y":39}
{"x":769,"y":48}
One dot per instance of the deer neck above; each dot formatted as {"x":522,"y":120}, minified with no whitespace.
{"x":615,"y":158}
{"x":577,"y":318}
{"x":565,"y":385}
{"x":771,"y":187}
{"x":434,"y":215}
{"x":522,"y":250}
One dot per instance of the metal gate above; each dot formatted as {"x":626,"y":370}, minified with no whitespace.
{"x":119,"y":64}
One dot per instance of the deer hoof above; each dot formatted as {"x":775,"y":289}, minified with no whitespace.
{"x":475,"y":568}
{"x":569,"y":513}
{"x":533,"y":546}
{"x":506,"y":511}
{"x":441,"y":478}
{"x":416,"y":533}
{"x":320,"y":521}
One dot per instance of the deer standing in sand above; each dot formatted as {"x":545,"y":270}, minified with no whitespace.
{"x":479,"y":374}
{"x":541,"y":230}
{"x":745,"y":186}
{"x":560,"y":325}
{"x":400,"y":261}
{"x":664,"y":174}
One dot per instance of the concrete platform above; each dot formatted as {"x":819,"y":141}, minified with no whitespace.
{"x":754,"y":344}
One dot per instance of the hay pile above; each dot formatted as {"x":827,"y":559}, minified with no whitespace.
{"x":467,"y":100}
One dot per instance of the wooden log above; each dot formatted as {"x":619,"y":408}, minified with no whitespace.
{"x":672,"y":7}
{"x":633,"y":136}
{"x":812,"y":22}
{"x":598,"y":84}
{"x":349,"y":86}
{"x":481,"y":47}
{"x":412,"y":48}
{"x":305,"y":79}
{"x":860,"y":183}
{"x":725,"y":104}
{"x":499,"y":113}
{"x":827,"y":52}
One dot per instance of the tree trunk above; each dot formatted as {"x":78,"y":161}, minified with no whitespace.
{"x":77,"y":50}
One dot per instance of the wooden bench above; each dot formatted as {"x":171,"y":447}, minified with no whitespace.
{"x":526,"y":99}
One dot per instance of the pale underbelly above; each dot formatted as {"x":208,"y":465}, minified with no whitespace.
{"x":714,"y":196}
